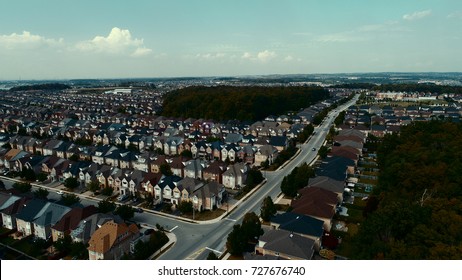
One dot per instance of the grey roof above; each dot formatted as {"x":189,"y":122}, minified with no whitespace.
{"x":287,"y":243}
{"x":31,"y":210}
{"x":89,"y":225}
{"x":51,"y":214}
{"x":233,"y":138}
{"x":6,"y":199}
{"x":298,"y":223}
{"x":327,"y":183}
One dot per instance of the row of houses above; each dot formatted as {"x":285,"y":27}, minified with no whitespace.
{"x":302,"y":232}
{"x":106,"y":236}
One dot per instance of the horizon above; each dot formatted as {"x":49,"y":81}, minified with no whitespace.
{"x":234,"y":76}
{"x":61,"y":40}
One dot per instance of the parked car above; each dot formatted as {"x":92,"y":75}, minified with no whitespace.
{"x":314,"y":149}
{"x":60,"y":192}
{"x":122,"y":197}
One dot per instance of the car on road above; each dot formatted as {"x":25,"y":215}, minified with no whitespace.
{"x":60,"y":192}
{"x":139,"y":210}
{"x":314,"y":149}
{"x":122,"y":197}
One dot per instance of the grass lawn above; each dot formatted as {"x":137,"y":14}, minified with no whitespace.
{"x":205,"y":215}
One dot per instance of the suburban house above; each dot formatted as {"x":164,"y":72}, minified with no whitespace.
{"x":27,"y":215}
{"x":329,"y":184}
{"x":286,"y":245}
{"x":193,"y":168}
{"x":163,"y":191}
{"x":265,"y":153}
{"x":48,"y":217}
{"x":112,"y":240}
{"x":317,"y":203}
{"x":87,"y":226}
{"x":70,"y":221}
{"x":214,"y":172}
{"x":235,"y":176}
{"x":8,"y":200}
{"x":301,"y":224}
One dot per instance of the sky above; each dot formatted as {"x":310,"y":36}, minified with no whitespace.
{"x":63,"y":39}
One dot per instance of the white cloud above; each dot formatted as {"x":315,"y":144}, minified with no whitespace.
{"x":456,"y":14}
{"x":141,"y":52}
{"x":27,"y":40}
{"x":119,"y":41}
{"x":288,"y":58}
{"x":266,"y":55}
{"x":417,"y":15}
{"x":210,"y":56}
{"x":262,"y":56}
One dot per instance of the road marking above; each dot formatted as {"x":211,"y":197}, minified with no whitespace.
{"x":173,"y":229}
{"x":194,"y":255}
{"x":229,"y":219}
{"x":213,"y":250}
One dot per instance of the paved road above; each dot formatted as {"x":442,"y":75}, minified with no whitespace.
{"x":195,"y":241}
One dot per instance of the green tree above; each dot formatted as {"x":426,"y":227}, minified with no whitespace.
{"x":71,"y":183}
{"x":27,"y":174}
{"x":212,"y":256}
{"x":126,"y":212}
{"x":165,"y":169}
{"x":106,"y":206}
{"x":185,"y":207}
{"x":41,"y":177}
{"x":323,"y":151}
{"x":93,"y":186}
{"x":74,"y":157}
{"x":22,"y":187}
{"x":63,"y":244}
{"x":186,"y":153}
{"x":41,"y":193}
{"x":267,"y":209}
{"x":69,"y":199}
{"x":254,"y":177}
{"x":251,"y":226}
{"x":107,"y":191}
{"x":236,"y":241}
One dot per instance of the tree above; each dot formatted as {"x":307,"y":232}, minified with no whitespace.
{"x":268,"y":209}
{"x":69,"y":199}
{"x":41,"y":193}
{"x":63,"y":244}
{"x":106,"y":206}
{"x":41,"y":177}
{"x":74,"y":157}
{"x":126,"y":212}
{"x":323,"y":152}
{"x":251,"y":226}
{"x":165,"y":169}
{"x":212,"y":256}
{"x":22,"y":187}
{"x":107,"y":191}
{"x":236,"y":241}
{"x":185,"y":207}
{"x":186,"y":153}
{"x":27,"y":174}
{"x":254,"y":177}
{"x":93,"y":186}
{"x":71,"y":183}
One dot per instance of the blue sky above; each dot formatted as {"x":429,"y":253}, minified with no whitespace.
{"x":61,"y":39}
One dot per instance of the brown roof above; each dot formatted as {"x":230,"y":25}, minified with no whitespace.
{"x":352,"y":137}
{"x":104,"y":238}
{"x":315,"y":202}
{"x":11,"y":154}
{"x":72,"y":218}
